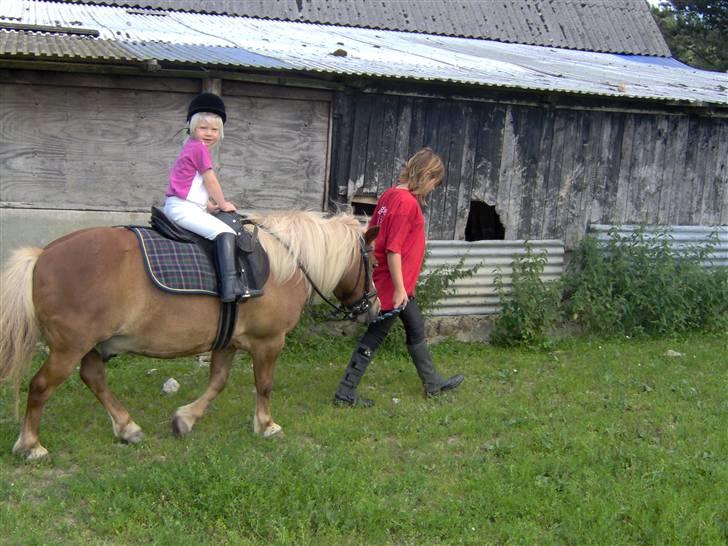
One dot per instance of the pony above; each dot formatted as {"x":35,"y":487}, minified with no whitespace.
{"x":89,"y":297}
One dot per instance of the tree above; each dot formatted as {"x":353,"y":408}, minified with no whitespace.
{"x":696,"y":31}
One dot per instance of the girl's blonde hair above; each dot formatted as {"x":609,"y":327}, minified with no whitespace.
{"x":419,"y":170}
{"x":199,"y":117}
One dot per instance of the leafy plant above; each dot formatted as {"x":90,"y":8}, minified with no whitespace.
{"x":640,"y":284}
{"x":531,"y":307}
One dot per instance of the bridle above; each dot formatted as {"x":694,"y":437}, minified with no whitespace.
{"x":343,"y":311}
{"x":352,"y":310}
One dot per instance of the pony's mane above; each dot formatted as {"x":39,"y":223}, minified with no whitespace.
{"x":326,"y":247}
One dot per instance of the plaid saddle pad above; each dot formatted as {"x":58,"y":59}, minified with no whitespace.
{"x":182,"y":268}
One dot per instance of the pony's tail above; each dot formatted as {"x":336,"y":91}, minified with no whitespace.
{"x":19,"y":330}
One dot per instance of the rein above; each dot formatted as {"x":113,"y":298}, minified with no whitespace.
{"x":339,"y":312}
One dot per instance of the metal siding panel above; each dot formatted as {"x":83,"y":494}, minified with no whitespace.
{"x":476,"y":295}
{"x":681,"y":238}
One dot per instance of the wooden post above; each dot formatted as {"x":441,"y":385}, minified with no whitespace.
{"x":212,"y":85}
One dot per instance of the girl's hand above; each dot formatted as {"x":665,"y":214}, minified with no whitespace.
{"x":227,"y":206}
{"x":212,"y":208}
{"x":399,"y":298}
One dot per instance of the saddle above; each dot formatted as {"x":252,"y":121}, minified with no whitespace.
{"x":250,"y":257}
{"x":182,"y":262}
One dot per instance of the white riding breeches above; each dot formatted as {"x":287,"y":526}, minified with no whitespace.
{"x":191,"y":216}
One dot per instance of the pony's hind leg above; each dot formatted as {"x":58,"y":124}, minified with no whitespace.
{"x":186,"y":416}
{"x":57,"y":367}
{"x":93,"y":373}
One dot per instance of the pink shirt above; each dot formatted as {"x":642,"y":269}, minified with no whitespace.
{"x":185,"y":179}
{"x":402,"y":231}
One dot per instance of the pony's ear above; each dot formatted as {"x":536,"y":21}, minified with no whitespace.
{"x":371,"y":234}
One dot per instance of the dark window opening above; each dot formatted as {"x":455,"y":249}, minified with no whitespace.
{"x":363,"y":205}
{"x":483,"y":223}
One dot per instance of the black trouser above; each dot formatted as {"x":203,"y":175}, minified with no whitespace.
{"x":414,"y":327}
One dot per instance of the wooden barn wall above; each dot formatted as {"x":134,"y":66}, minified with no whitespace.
{"x":106,"y":143}
{"x":549,"y":172}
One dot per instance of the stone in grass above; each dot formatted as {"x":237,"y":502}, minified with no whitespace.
{"x":670,"y":352}
{"x":170,"y":386}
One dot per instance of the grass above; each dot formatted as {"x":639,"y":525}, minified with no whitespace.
{"x":592,"y":442}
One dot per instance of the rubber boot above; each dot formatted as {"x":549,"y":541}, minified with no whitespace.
{"x":226,"y":272}
{"x":433,"y":382}
{"x":346,"y":394}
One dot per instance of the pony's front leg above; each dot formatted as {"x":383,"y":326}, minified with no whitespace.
{"x":186,"y":416}
{"x":264,"y":362}
{"x":93,"y":373}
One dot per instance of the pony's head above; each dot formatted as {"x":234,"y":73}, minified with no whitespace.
{"x":356,"y":290}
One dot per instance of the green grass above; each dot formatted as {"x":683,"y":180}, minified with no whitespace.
{"x":593,"y":442}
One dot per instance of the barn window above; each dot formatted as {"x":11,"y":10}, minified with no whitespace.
{"x":483,"y":223}
{"x":363,"y":205}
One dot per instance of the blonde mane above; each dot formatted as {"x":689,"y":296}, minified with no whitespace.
{"x":325,"y":247}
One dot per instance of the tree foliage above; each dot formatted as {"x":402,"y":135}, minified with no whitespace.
{"x":696,"y":31}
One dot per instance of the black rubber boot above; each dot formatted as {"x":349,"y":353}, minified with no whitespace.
{"x":433,"y":382}
{"x":346,"y":394}
{"x":227,"y":275}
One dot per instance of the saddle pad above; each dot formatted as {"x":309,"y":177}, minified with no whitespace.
{"x":182,"y":268}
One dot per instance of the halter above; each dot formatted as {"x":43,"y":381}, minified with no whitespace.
{"x":352,"y":310}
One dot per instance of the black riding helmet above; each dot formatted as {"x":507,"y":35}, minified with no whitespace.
{"x":207,"y":102}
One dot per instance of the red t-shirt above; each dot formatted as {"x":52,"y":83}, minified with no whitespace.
{"x":402,"y":231}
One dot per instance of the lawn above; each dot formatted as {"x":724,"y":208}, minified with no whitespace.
{"x":592,"y":442}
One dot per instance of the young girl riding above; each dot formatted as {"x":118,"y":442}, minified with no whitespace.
{"x":194,"y":191}
{"x":399,"y":251}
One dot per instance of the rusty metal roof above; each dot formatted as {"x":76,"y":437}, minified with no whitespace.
{"x":615,"y":26}
{"x":173,"y":38}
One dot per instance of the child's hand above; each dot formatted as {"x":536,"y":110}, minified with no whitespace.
{"x":399,"y":298}
{"x":227,"y":206}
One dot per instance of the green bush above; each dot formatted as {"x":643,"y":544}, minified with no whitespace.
{"x":639,"y":284}
{"x":531,"y":308}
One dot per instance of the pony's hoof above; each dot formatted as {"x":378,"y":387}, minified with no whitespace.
{"x":132,"y":434}
{"x":273,"y":431}
{"x":33,"y":454}
{"x":180,"y":427}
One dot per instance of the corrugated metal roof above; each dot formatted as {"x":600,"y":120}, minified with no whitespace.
{"x":237,"y":42}
{"x":615,"y":26}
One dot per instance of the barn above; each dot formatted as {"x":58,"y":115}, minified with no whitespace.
{"x":551,"y":115}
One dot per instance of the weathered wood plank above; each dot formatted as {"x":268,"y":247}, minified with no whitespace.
{"x":111,"y":149}
{"x":467,"y":170}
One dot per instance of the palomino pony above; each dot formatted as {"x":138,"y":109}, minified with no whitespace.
{"x":89,"y":297}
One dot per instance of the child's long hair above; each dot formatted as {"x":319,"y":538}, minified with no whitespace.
{"x":418,"y":170}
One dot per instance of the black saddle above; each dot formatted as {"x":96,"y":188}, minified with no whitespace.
{"x":251,"y":257}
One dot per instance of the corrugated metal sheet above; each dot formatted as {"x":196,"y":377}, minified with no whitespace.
{"x":253,"y":43}
{"x":616,"y":26}
{"x":681,"y":237}
{"x":477,"y":295}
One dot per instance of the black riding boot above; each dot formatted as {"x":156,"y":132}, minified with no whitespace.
{"x":433,"y":382}
{"x":346,"y":394}
{"x":226,"y":272}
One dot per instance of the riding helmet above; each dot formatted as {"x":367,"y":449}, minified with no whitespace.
{"x":207,"y":102}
